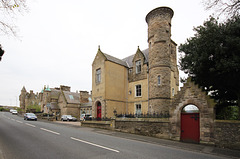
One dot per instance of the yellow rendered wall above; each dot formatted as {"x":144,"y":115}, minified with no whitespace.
{"x":98,"y":89}
{"x":116,"y":88}
{"x":116,"y":81}
{"x":114,"y":105}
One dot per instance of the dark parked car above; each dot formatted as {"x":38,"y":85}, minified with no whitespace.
{"x":30,"y":116}
{"x":68,"y":118}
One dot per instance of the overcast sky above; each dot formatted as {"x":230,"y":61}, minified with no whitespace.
{"x":59,"y":39}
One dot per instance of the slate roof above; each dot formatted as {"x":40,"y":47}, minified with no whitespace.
{"x":115,"y":60}
{"x":129,"y":59}
{"x":86,"y":104}
{"x":55,"y":93}
{"x":127,"y":62}
{"x":72,"y":97}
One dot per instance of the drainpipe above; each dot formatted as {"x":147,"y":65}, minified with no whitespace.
{"x":148,"y":85}
{"x":127,"y":92}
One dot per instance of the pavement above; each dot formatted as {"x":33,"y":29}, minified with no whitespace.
{"x":201,"y":148}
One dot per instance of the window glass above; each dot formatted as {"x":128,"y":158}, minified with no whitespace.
{"x":98,"y":75}
{"x":71,"y":96}
{"x":138,"y":109}
{"x":173,"y":92}
{"x":138,"y":91}
{"x":130,"y":71}
{"x":159,"y":80}
{"x":138,"y":66}
{"x":190,"y":109}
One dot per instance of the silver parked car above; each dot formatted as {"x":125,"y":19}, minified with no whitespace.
{"x":30,"y":116}
{"x":14,"y":112}
{"x":68,"y":118}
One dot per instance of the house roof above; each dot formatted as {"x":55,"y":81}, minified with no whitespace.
{"x":127,"y":62}
{"x":129,"y":59}
{"x":115,"y":60}
{"x":55,"y":93}
{"x":72,"y":97}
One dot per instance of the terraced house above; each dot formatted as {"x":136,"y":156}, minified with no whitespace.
{"x":144,"y":82}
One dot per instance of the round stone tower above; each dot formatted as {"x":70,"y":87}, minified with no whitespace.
{"x":159,"y":40}
{"x":22,"y":98}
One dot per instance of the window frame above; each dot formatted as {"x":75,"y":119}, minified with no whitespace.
{"x":98,"y":75}
{"x":138,"y":65}
{"x":137,"y":110}
{"x":173,"y":91}
{"x":138,"y":90}
{"x":159,"y":80}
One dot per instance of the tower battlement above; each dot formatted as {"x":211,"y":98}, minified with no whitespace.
{"x":158,"y":12}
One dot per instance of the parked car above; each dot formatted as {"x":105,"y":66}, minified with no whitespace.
{"x":14,"y":112}
{"x":11,"y":110}
{"x":30,"y":116}
{"x":68,"y":118}
{"x":84,"y":117}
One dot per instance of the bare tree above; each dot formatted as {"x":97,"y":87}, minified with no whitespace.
{"x":230,"y":8}
{"x":9,"y":9}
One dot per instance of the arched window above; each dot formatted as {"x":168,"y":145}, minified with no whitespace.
{"x":159,"y":80}
{"x":190,"y":109}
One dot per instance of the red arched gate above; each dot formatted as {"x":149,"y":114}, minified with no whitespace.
{"x":190,"y":130}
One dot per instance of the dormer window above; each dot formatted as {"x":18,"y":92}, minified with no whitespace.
{"x":138,"y":66}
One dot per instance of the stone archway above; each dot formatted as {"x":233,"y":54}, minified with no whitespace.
{"x":192,"y":94}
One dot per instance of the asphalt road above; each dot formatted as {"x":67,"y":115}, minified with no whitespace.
{"x":20,"y":139}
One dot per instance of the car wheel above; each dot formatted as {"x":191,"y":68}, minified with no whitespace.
{"x":35,"y":119}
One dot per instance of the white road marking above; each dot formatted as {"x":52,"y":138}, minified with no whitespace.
{"x":19,"y":121}
{"x":30,"y":125}
{"x":50,"y":131}
{"x":86,"y":142}
{"x":13,"y":119}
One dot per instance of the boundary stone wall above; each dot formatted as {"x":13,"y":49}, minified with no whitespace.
{"x":227,"y":134}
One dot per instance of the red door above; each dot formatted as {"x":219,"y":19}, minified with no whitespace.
{"x":99,"y":111}
{"x":190,"y":131}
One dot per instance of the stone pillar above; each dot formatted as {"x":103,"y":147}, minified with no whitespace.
{"x":159,"y":39}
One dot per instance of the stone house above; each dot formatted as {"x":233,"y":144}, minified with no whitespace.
{"x":57,"y":101}
{"x":28,"y":99}
{"x":147,"y":82}
{"x":144,"y":82}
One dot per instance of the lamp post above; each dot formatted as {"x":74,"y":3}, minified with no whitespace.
{"x":115,"y":112}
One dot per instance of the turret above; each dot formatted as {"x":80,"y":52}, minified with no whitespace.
{"x":22,"y":98}
{"x":160,"y":62}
